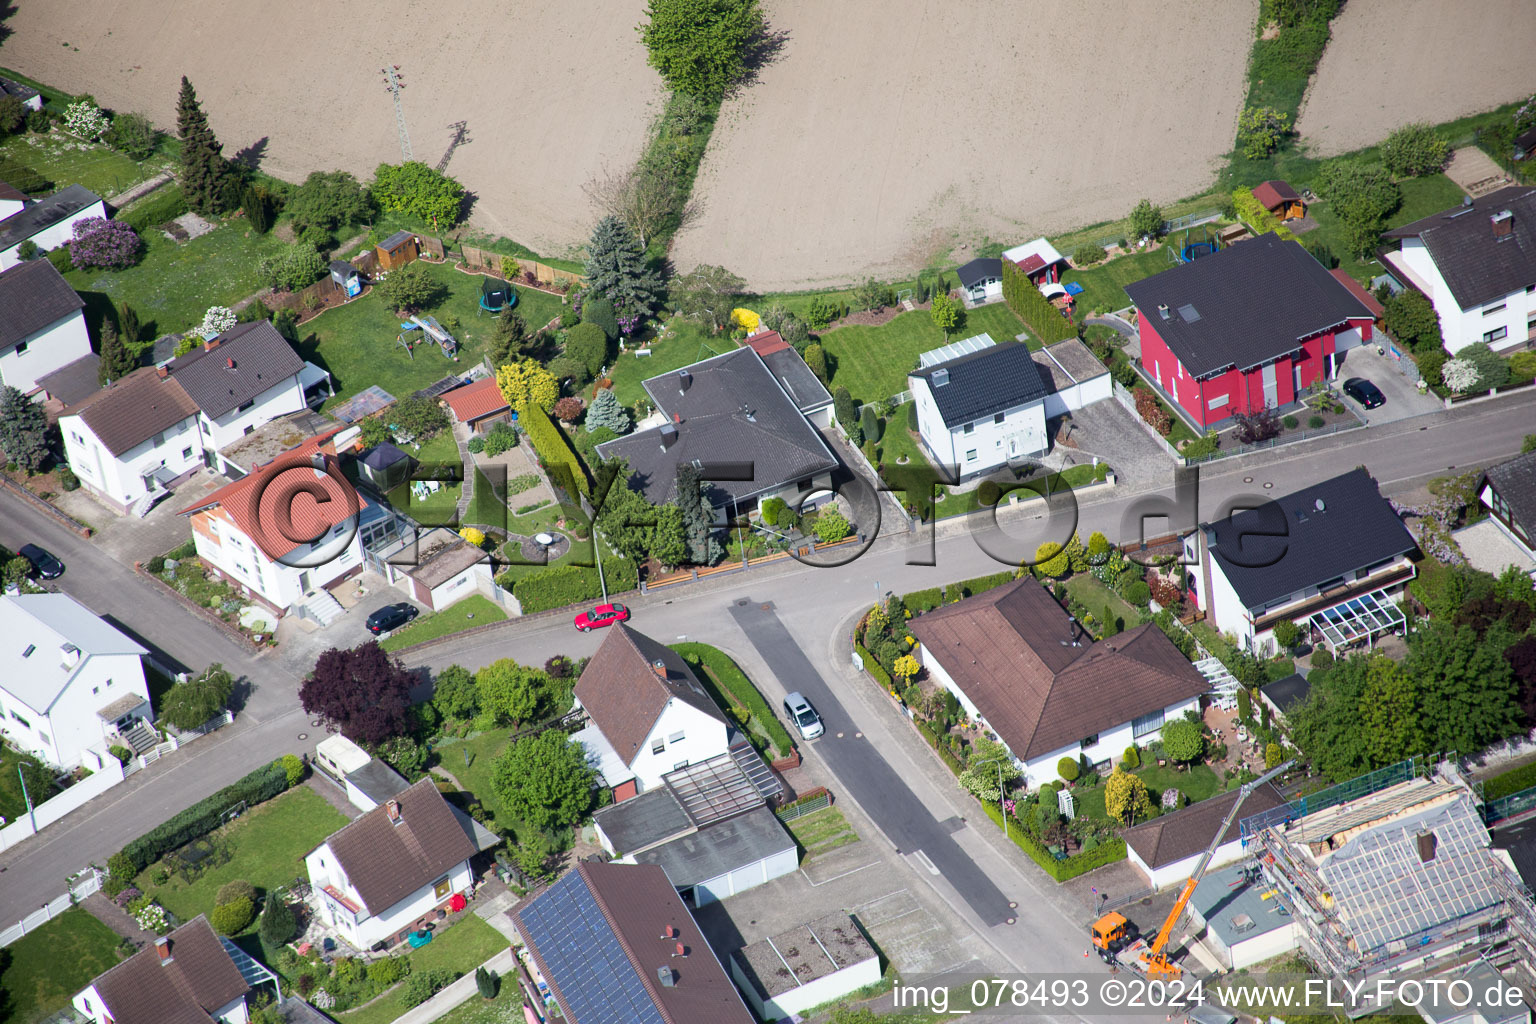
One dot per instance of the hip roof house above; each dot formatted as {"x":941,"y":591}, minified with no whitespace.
{"x":1245,"y":328}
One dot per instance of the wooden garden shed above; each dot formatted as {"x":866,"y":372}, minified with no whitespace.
{"x":1280,"y":199}
{"x":397,"y":250}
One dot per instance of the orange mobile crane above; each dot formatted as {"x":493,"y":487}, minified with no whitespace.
{"x":1112,"y":933}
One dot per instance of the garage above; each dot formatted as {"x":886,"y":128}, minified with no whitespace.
{"x":1075,"y":375}
{"x":727,"y":857}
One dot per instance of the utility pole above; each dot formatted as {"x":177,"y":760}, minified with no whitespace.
{"x":394,"y":81}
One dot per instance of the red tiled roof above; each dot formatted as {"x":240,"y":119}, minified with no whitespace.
{"x":1360,"y":292}
{"x":1032,"y":263}
{"x":1274,"y":193}
{"x":476,"y":401}
{"x":767,"y":343}
{"x":280,"y":515}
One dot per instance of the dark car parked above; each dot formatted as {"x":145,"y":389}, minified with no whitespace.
{"x":391,"y":617}
{"x":43,"y":563}
{"x":1364,"y":392}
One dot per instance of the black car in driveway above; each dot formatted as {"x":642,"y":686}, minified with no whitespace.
{"x":43,"y":563}
{"x":390,"y":617}
{"x":1364,"y":392}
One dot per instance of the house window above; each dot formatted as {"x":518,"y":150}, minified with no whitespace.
{"x":95,"y":690}
{"x":23,"y":721}
{"x":970,"y":428}
{"x":998,"y":418}
{"x":970,"y":456}
{"x":1147,"y":724}
{"x":21,"y":346}
{"x":186,"y":452}
{"x":78,"y":439}
{"x":1494,"y":309}
{"x":658,"y":745}
{"x":676,"y":737}
{"x":43,"y":736}
{"x":247,"y":430}
{"x":1217,"y":403}
{"x":246,"y":406}
{"x":680,"y":765}
{"x":158,"y":440}
{"x":1090,"y":741}
{"x":1497,"y":334}
{"x":440,"y":888}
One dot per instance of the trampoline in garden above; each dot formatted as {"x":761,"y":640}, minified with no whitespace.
{"x":496,"y":295}
{"x":1195,"y":250}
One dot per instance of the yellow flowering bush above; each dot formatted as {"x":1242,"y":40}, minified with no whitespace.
{"x":746,"y":318}
{"x":473,"y":536}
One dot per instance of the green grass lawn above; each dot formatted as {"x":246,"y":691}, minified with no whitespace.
{"x":872,"y":362}
{"x":470,"y":761}
{"x":688,"y":344}
{"x":474,"y":610}
{"x":50,"y":964}
{"x":12,"y":804}
{"x":1097,"y":597}
{"x":172,"y":285}
{"x":1104,"y":284}
{"x":267,"y":845}
{"x":997,"y":320}
{"x":66,"y":160}
{"x":356,"y":342}
{"x":437,"y":508}
{"x":1198,"y":783}
{"x":462,"y":948}
{"x":501,"y":1010}
{"x":822,"y":831}
{"x":1422,"y":197}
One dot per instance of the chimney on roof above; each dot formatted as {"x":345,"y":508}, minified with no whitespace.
{"x":682,"y":950}
{"x":668,"y":436}
{"x":747,"y":411}
{"x":1426,"y":843}
{"x":70,"y":655}
{"x":940,"y":378}
{"x":162,"y":372}
{"x":660,"y":668}
{"x":1503,"y":224}
{"x":392,"y":811}
{"x":229,"y":364}
{"x":1162,"y":310}
{"x":163,"y":947}
{"x":212,"y":343}
{"x":666,"y":977}
{"x":684,"y":379}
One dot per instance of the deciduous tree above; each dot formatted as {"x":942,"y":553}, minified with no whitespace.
{"x":707,"y":294}
{"x":295,"y":267}
{"x":455,"y":693}
{"x":1182,"y":741}
{"x":188,"y":705}
{"x":134,"y":135}
{"x":947,"y":313}
{"x":411,"y":289}
{"x":701,"y":46}
{"x":421,"y":191}
{"x":1260,"y":131}
{"x":1125,"y":797}
{"x":544,"y":780}
{"x":361,"y":691}
{"x":1411,"y":319}
{"x":512,"y":694}
{"x":326,"y":201}
{"x":1389,"y":712}
{"x":1466,"y":687}
{"x":1415,"y":150}
{"x":526,"y":384}
{"x":1146,"y":220}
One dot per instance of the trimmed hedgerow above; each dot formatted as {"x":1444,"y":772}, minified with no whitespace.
{"x":563,"y":585}
{"x":206,"y":815}
{"x":729,"y":675}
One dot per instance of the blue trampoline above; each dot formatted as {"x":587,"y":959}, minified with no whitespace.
{"x":496,"y":295}
{"x":1195,"y":250}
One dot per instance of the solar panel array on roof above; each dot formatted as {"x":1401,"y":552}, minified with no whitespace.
{"x":955,"y":350}
{"x":582,"y":952}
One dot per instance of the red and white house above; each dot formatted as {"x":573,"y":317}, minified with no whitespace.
{"x":1248,"y":327}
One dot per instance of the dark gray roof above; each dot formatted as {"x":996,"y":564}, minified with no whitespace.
{"x":395,"y":239}
{"x":982,"y":383}
{"x":33,"y":297}
{"x":382,"y":456}
{"x":45,"y":213}
{"x":1253,"y":302}
{"x":1288,"y":692}
{"x":13,"y":88}
{"x":643,"y":821}
{"x":73,"y":381}
{"x":1515,"y":482}
{"x":261,"y":359}
{"x":343,"y":268}
{"x":1477,"y":266}
{"x":1287,"y":545}
{"x":979,"y":270}
{"x":720,"y":848}
{"x":797,"y":380}
{"x":732,"y":411}
{"x":377,"y":781}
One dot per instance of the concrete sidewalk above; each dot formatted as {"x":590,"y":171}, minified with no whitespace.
{"x":503,"y":963}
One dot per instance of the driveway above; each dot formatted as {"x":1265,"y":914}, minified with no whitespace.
{"x":130,"y":539}
{"x":1403,"y":398}
{"x":1113,"y":433}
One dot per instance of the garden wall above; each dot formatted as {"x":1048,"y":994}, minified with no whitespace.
{"x":50,"y":811}
{"x":486,"y":261}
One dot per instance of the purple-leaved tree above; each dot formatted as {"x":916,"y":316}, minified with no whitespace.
{"x":362,"y":691}
{"x":99,"y":242}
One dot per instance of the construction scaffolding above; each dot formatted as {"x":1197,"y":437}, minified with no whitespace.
{"x":1352,"y":789}
{"x":1401,"y":877}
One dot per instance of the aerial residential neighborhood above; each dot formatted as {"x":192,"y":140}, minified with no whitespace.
{"x":675,"y":511}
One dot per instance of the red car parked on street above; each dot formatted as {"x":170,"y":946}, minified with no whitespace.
{"x":602,"y":615}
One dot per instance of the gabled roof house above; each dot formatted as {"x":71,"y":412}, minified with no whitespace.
{"x":42,"y":325}
{"x":1477,"y":264}
{"x":614,"y":943}
{"x":979,"y":405}
{"x":1333,"y":558}
{"x":1245,"y":328}
{"x":186,"y":977}
{"x":48,"y":222}
{"x":1509,"y":491}
{"x":1022,"y":667}
{"x":1166,"y":848}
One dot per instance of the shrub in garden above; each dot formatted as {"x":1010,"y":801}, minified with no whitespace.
{"x":229,"y":892}
{"x":122,"y":753}
{"x":1315,"y":422}
{"x":1415,"y":150}
{"x":821,"y":312}
{"x":1259,"y":425}
{"x":1291,"y":422}
{"x":1131,"y":759}
{"x":134,"y":135}
{"x":126,"y":896}
{"x":1287,"y":634}
{"x":233,"y":917}
{"x":486,"y":983}
{"x":476,"y":445}
{"x":86,"y":119}
{"x":500,"y":438}
{"x":869,"y":423}
{"x":216,"y":321}
{"x":568,"y":409}
{"x":1138,"y":593}
{"x":424,"y":985}
{"x":293,"y":769}
{"x":1146,"y":220}
{"x":277,"y":924}
{"x":816,"y":361}
{"x":108,"y":244}
{"x":1172,"y":799}
{"x":989,"y":492}
{"x":1068,"y":768}
{"x":831,"y":526}
{"x":1274,"y":755}
{"x":1051,"y":560}
{"x":389,"y":970}
{"x":1150,"y":410}
{"x":1088,"y":255}
{"x":293,"y":268}
{"x":1260,"y":131}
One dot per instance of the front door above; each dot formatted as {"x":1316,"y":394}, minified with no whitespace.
{"x":1271,"y":386}
{"x":304,"y":582}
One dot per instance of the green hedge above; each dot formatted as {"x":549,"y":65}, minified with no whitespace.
{"x":206,"y":815}
{"x":920,"y":601}
{"x":945,"y":754}
{"x":555,"y":452}
{"x":162,"y":205}
{"x":22,"y":177}
{"x":564,"y":585}
{"x":1512,"y":781}
{"x":730,"y":676}
{"x":1108,"y":852}
{"x":1033,"y":308}
{"x":873,"y":667}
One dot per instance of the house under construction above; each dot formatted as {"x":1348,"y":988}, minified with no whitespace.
{"x":1401,"y":880}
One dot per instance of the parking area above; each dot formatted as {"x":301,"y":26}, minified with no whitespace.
{"x":302,"y":640}
{"x":1403,"y":398}
{"x":1113,"y":433}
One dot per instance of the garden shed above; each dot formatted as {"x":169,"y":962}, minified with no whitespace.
{"x":385,"y":466}
{"x":397,"y":250}
{"x":1280,"y":199}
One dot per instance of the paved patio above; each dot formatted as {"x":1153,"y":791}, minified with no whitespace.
{"x":1396,"y":381}
{"x":130,"y":539}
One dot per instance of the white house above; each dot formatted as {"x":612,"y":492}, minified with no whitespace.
{"x":650,"y":715}
{"x":378,"y":877}
{"x":980,"y":404}
{"x":1477,"y":264}
{"x":1332,"y":558}
{"x":42,"y":325}
{"x":137,"y":438}
{"x":48,"y":223}
{"x":189,"y":975}
{"x":982,"y":280}
{"x":71,"y":685}
{"x":1165,"y":849}
{"x":285,"y":531}
{"x":1022,"y":667}
{"x":445,"y":568}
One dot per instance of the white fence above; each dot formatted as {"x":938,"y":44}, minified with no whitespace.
{"x":50,"y":811}
{"x":88,"y":882}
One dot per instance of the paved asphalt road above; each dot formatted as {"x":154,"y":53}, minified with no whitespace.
{"x":815,"y":608}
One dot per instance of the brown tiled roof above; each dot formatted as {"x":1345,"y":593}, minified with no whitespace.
{"x":198,"y":979}
{"x":1515,"y":481}
{"x":33,"y":296}
{"x":386,"y":862}
{"x":1274,"y":193}
{"x":134,"y":408}
{"x":1188,"y":832}
{"x":243,"y":362}
{"x":476,"y":401}
{"x":624,"y":694}
{"x":9,"y":191}
{"x":1005,"y":649}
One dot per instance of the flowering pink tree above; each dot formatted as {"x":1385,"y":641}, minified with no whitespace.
{"x":106,"y":243}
